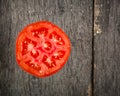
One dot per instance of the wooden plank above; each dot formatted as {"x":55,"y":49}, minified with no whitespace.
{"x":107,"y":48}
{"x":75,"y":18}
{"x":6,"y":49}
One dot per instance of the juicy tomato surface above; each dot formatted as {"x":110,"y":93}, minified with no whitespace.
{"x":42,"y":49}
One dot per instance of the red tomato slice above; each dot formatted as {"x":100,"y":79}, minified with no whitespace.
{"x":42,"y":49}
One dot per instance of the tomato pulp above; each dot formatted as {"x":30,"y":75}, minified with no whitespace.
{"x":42,"y":49}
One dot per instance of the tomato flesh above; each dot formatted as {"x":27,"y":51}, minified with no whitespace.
{"x":42,"y":49}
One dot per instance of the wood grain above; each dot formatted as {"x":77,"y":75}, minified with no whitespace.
{"x":107,"y":48}
{"x":75,"y":18}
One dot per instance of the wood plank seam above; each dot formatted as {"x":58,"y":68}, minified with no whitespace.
{"x":93,"y":32}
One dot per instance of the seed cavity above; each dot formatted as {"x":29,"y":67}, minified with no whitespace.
{"x":28,"y":45}
{"x":47,"y":45}
{"x":56,"y":38}
{"x":33,"y":65}
{"x":48,"y":61}
{"x":40,"y":33}
{"x":34,"y":53}
{"x":58,"y":55}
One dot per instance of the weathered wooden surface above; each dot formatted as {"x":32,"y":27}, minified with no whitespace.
{"x":75,"y":18}
{"x":107,"y":48}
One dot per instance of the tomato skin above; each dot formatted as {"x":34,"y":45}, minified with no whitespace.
{"x":39,"y":40}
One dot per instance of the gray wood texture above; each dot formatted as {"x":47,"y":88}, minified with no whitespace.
{"x":75,"y":17}
{"x":107,"y":48}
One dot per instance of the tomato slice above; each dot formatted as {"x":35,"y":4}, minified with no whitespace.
{"x":42,"y":49}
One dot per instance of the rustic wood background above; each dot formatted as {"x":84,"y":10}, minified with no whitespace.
{"x":93,"y":27}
